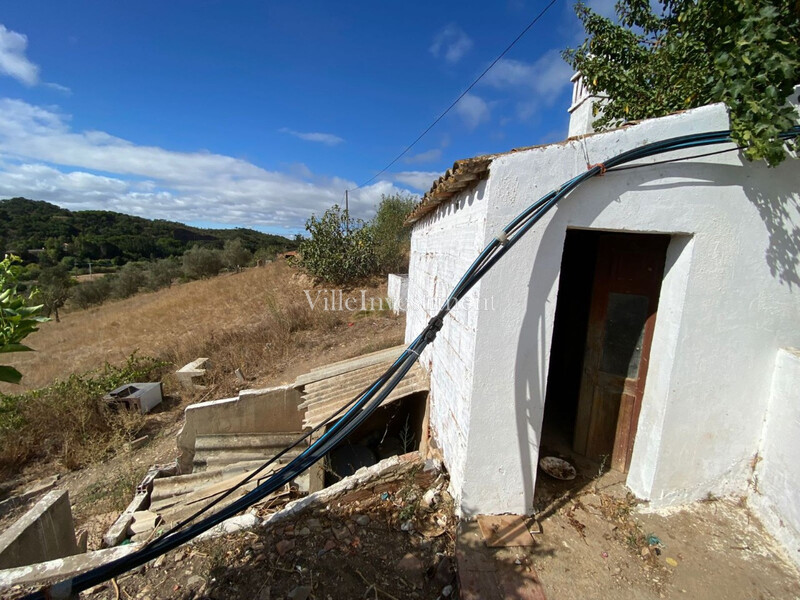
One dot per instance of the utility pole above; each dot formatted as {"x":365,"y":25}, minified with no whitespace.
{"x":347,"y":210}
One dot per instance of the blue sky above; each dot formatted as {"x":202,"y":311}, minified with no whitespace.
{"x":257,"y":114}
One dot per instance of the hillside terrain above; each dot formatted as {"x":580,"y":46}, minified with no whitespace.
{"x":97,"y":235}
{"x":258,"y":320}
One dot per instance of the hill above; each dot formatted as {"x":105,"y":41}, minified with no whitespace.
{"x":27,"y":225}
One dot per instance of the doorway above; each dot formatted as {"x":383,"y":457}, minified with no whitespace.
{"x":605,"y":316}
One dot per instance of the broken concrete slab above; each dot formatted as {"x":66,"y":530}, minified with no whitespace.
{"x":190,"y":374}
{"x":363,"y":483}
{"x":270,"y":410}
{"x":61,"y":568}
{"x":119,"y":530}
{"x":141,"y":500}
{"x":366,"y":481}
{"x":243,"y":522}
{"x":144,"y":521}
{"x":43,"y":533}
{"x":36,"y":488}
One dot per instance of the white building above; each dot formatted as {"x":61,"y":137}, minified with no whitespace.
{"x":649,"y":317}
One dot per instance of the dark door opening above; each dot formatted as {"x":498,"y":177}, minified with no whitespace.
{"x":605,"y":315}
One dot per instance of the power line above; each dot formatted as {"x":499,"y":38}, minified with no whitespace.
{"x":456,"y":101}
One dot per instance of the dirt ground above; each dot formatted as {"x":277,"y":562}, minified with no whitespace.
{"x":389,"y":544}
{"x":598,"y":542}
{"x":595,"y":542}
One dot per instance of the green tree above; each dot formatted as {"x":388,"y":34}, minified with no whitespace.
{"x":54,"y":283}
{"x":235,"y":255}
{"x":392,"y":237}
{"x":130,"y":278}
{"x":17,"y":319}
{"x":200,"y":262}
{"x":340,"y":249}
{"x":93,"y":292}
{"x":688,"y":53}
{"x":161,"y":273}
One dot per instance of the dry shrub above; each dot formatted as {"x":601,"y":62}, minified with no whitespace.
{"x":111,"y":493}
{"x":178,"y":322}
{"x":253,"y":347}
{"x":68,"y":420}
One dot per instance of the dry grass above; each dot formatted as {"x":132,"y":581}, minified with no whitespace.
{"x":258,"y":321}
{"x":248,"y":320}
{"x":68,"y":421}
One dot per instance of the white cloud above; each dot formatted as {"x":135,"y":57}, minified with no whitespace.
{"x":451,"y":43}
{"x":545,"y":77}
{"x":531,"y":86}
{"x":58,"y":87}
{"x":473,"y":110}
{"x":424,"y":157}
{"x":42,"y":158}
{"x":419,"y":180}
{"x":328,"y":139}
{"x":13,"y":61}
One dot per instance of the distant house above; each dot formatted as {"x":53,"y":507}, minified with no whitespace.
{"x":648,"y":322}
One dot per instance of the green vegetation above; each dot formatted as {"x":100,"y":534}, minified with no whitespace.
{"x":44,"y":232}
{"x":695,"y":52}
{"x":200,"y":263}
{"x":53,"y":284}
{"x":340,"y":250}
{"x":126,"y":254}
{"x":17,"y":319}
{"x":343,"y":250}
{"x":392,"y":238}
{"x":79,"y":426}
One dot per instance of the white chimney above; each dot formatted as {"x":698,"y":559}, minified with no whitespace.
{"x":581,"y":111}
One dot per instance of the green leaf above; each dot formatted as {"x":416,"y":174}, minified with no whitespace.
{"x":15,"y":348}
{"x":9,"y":374}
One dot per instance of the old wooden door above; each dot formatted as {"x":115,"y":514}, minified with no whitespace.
{"x":622,"y":316}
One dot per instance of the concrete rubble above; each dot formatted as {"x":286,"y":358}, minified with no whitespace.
{"x":190,"y":375}
{"x":388,"y":474}
{"x":33,"y":490}
{"x":221,"y":445}
{"x":43,"y":533}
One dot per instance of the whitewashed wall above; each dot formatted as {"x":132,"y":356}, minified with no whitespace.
{"x":397,"y":291}
{"x":443,"y":246}
{"x":729,"y":300}
{"x":777,"y":475}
